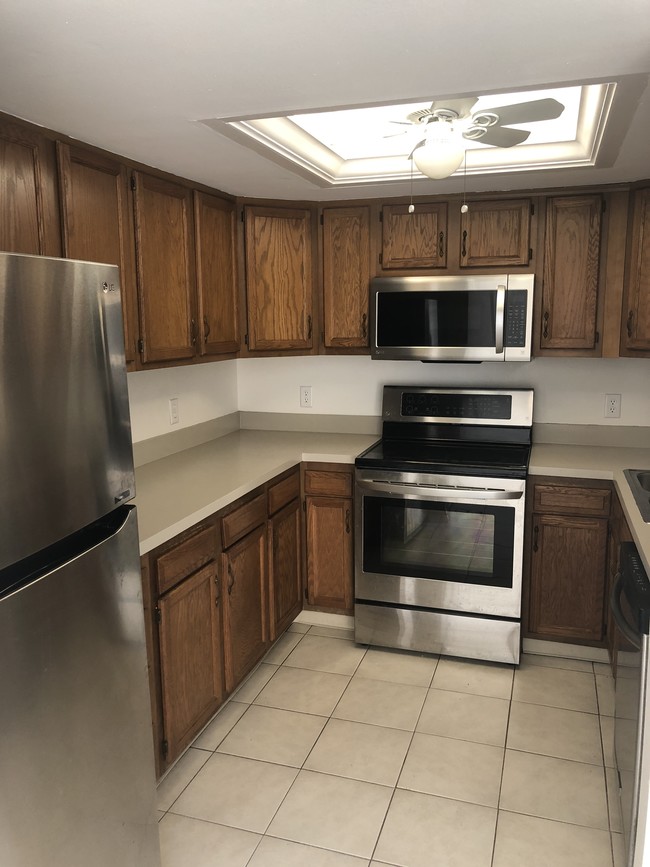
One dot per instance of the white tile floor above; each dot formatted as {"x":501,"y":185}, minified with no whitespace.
{"x":333,"y":755}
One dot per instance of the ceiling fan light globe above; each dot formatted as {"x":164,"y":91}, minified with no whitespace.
{"x":439,"y":161}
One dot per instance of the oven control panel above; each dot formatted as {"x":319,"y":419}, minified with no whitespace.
{"x":415,"y":405}
{"x":465,"y":406}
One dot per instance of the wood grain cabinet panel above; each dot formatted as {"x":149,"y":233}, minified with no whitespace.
{"x":216,"y":274}
{"x":29,"y":209}
{"x":165,"y":267}
{"x":572,"y":499}
{"x":329,"y":525}
{"x":346,"y":276}
{"x":279,"y":279}
{"x":417,"y":240}
{"x":635,"y":335}
{"x":495,"y":233}
{"x":98,"y":223}
{"x":185,"y":557}
{"x":570,"y":289}
{"x":285,"y":574}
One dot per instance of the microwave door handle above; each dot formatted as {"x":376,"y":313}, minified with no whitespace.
{"x":617,"y":612}
{"x":499,"y":319}
{"x":427,"y":492}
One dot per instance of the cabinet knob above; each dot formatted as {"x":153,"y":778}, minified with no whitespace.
{"x":231,"y":579}
{"x":206,"y":329}
{"x":546,"y":318}
{"x":630,"y":320}
{"x":463,"y":252}
{"x":193,"y":331}
{"x":364,"y":326}
{"x":309,"y":327}
{"x":347,"y":521}
{"x":441,"y":245}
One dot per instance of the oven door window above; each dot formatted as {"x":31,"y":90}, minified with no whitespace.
{"x":468,"y":544}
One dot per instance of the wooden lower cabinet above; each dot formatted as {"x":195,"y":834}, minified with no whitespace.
{"x":285,"y":573}
{"x":329,"y":538}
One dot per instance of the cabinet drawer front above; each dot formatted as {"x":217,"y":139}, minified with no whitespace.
{"x":185,"y":558}
{"x":284,"y":492}
{"x":328,"y":484}
{"x":557,"y":499}
{"x":241,"y":521}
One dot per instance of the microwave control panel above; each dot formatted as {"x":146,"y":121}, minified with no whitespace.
{"x":515,"y":324}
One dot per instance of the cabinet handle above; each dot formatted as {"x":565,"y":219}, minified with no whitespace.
{"x":441,"y":245}
{"x":217,"y":592}
{"x":536,"y":538}
{"x":231,"y":579}
{"x":309,"y":327}
{"x":347,"y":521}
{"x":206,"y":328}
{"x":546,"y":318}
{"x":630,"y":320}
{"x":364,"y":326}
{"x":463,"y":252}
{"x":193,"y":331}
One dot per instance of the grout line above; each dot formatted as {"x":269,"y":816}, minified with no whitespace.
{"x":503,"y":764}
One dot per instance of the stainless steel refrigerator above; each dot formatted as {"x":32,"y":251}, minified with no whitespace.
{"x":77,"y":780}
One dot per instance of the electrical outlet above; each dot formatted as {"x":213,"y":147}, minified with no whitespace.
{"x":612,"y":406}
{"x":173,"y":410}
{"x":305,"y":395}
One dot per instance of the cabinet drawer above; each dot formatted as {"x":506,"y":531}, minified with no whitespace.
{"x":328,"y":483}
{"x":242,"y":520}
{"x":560,"y":499}
{"x":283,"y":492}
{"x":185,"y":558}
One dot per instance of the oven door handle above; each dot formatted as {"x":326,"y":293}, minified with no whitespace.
{"x":433,"y":492}
{"x":617,"y":613}
{"x":500,"y":319}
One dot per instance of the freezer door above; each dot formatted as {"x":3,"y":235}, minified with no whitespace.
{"x":65,"y":437}
{"x":76,"y":751}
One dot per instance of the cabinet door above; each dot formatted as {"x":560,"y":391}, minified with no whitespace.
{"x":495,"y":234}
{"x":165,"y":266}
{"x":29,"y":210}
{"x":346,"y":276}
{"x":569,"y":317}
{"x":216,"y":275}
{"x":568,"y":577}
{"x":97,"y":222}
{"x":245,"y":605}
{"x":417,"y":240}
{"x":284,"y":565}
{"x":635,"y":337}
{"x":190,"y":657}
{"x":278,"y":278}
{"x":329,"y":552}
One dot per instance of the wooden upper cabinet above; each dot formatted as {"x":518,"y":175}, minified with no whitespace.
{"x":165,"y":267}
{"x":29,"y":209}
{"x":570,"y":290}
{"x":216,"y":275}
{"x":635,"y":334}
{"x":279,"y":280}
{"x":346,"y":276}
{"x":495,"y":233}
{"x":98,"y":224}
{"x":417,"y":240}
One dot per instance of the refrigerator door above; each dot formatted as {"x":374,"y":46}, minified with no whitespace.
{"x":65,"y":437}
{"x":76,"y":751}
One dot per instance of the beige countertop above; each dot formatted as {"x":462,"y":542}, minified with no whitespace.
{"x":178,"y":491}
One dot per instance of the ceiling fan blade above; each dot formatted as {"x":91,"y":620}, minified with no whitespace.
{"x":397,"y":134}
{"x":502,"y":137}
{"x":527,"y":112}
{"x":401,"y":122}
{"x":462,"y":107}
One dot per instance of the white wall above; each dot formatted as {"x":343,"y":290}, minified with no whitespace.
{"x":204,"y":392}
{"x":567,"y":391}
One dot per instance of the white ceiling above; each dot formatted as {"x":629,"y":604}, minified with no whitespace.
{"x":134,"y":76}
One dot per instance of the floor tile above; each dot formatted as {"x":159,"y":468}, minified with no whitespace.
{"x":273,"y":852}
{"x":603,"y":668}
{"x":607,"y":737}
{"x":273,"y":735}
{"x":605,"y":690}
{"x":398,"y":667}
{"x":573,"y":690}
{"x":255,"y":682}
{"x":376,"y":702}
{"x":554,"y":789}
{"x":215,"y":732}
{"x":533,"y":842}
{"x":557,"y":662}
{"x":303,"y":691}
{"x":479,"y":678}
{"x":618,"y":849}
{"x":333,"y":632}
{"x":185,"y":841}
{"x":283,"y":647}
{"x":333,"y":813}
{"x":326,"y":654}
{"x":185,"y":769}
{"x":299,"y":627}
{"x":456,"y":769}
{"x":552,"y":731}
{"x":373,"y":754}
{"x":423,"y":830}
{"x":468,"y":717}
{"x":613,"y":800}
{"x":238,"y":792}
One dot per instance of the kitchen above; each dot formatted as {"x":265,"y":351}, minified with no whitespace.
{"x":263,"y":393}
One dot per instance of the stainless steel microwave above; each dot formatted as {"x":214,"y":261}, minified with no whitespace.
{"x":464,"y":318}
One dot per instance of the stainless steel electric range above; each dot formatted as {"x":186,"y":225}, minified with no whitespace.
{"x":439,"y":519}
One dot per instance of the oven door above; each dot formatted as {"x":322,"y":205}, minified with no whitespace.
{"x":445,"y":542}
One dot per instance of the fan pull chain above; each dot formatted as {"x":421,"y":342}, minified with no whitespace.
{"x":464,"y":208}
{"x":411,"y":205}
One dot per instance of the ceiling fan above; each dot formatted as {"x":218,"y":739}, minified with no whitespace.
{"x":448,"y":122}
